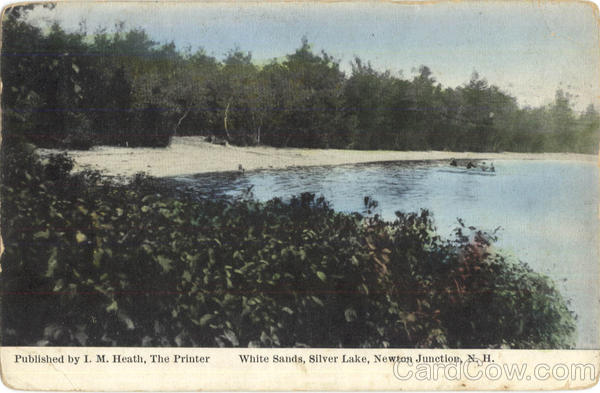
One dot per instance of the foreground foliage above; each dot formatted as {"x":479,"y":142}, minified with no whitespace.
{"x":90,"y":262}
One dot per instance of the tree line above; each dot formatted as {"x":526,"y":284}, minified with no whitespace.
{"x":77,"y":90}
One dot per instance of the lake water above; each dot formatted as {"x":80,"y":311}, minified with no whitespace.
{"x":547,"y":210}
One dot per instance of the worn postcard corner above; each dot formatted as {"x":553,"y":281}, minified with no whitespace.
{"x":299,"y":196}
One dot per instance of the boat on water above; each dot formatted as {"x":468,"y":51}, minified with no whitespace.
{"x":471,"y":167}
{"x":474,"y":172}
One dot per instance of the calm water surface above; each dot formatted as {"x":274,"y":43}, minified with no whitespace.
{"x":547,"y":210}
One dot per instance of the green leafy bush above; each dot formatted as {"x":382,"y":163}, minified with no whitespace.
{"x":91,"y":262}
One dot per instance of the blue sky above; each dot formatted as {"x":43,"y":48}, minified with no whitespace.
{"x":527,"y":48}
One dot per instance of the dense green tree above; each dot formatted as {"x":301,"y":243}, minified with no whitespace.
{"x":368,"y":96}
{"x":76,"y":90}
{"x":562,"y":122}
{"x":587,"y":138}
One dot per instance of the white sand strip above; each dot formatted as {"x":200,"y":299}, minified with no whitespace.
{"x":192,"y":155}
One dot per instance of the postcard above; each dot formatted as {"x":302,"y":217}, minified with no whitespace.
{"x":325,"y":196}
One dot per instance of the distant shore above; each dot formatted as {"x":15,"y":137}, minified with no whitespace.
{"x":192,"y":155}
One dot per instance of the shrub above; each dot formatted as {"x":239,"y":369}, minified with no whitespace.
{"x":79,"y":140}
{"x":90,"y":262}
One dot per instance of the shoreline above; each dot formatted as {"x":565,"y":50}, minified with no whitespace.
{"x":193,"y":155}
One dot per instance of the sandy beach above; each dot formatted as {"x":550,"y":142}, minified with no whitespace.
{"x":192,"y":155}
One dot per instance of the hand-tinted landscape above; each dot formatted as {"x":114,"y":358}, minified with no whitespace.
{"x":158,"y":192}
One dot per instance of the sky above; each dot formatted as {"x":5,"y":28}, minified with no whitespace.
{"x":527,"y":48}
